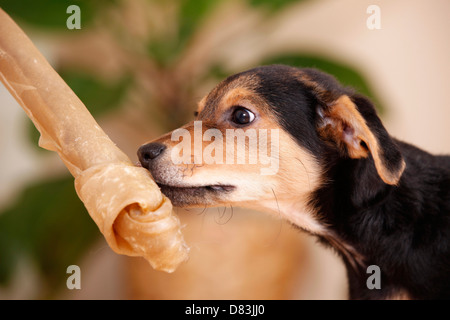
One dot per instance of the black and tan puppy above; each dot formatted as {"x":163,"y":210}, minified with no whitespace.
{"x":337,"y":174}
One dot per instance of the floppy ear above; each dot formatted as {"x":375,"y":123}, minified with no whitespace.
{"x":353,"y":126}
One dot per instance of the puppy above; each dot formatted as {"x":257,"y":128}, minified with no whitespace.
{"x":333,"y":171}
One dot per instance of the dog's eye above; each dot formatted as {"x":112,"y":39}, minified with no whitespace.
{"x":242,"y":116}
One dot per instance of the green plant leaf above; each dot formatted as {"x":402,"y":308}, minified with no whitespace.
{"x":49,"y":225}
{"x":345,"y":74}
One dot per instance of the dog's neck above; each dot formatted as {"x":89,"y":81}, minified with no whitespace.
{"x":304,"y":216}
{"x":349,"y":205}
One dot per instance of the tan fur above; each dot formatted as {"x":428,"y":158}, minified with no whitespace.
{"x":324,"y":95}
{"x":243,"y":256}
{"x":201,"y":104}
{"x":401,"y":295}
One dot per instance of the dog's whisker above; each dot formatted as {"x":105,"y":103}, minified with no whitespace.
{"x":215,"y":217}
{"x":221,"y":215}
{"x":276,"y":200}
{"x":204,"y":210}
{"x":306,"y":170}
{"x":231,"y":215}
{"x":223,"y":212}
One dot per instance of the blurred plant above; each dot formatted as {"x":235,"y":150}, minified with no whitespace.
{"x":155,"y":59}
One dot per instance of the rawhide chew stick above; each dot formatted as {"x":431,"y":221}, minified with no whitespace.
{"x":123,"y":200}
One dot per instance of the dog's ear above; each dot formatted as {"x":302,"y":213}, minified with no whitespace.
{"x":352,"y":125}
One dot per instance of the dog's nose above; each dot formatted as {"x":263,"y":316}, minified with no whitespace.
{"x":149,"y":152}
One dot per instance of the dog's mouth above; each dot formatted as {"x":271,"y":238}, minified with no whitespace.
{"x":186,"y":195}
{"x":208,"y":188}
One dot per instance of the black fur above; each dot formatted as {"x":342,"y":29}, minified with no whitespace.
{"x":403,"y":229}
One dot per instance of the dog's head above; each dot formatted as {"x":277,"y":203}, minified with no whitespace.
{"x":264,"y":139}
